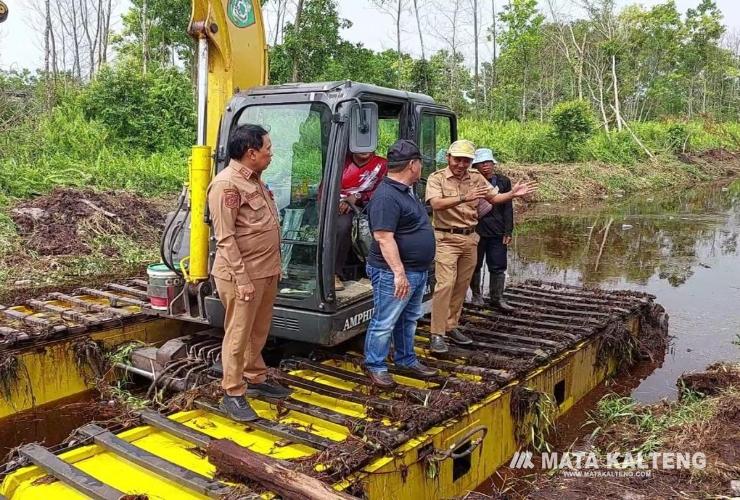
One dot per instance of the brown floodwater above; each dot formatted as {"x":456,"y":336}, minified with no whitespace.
{"x":680,"y":246}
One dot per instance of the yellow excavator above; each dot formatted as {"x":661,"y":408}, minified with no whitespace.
{"x":313,"y":126}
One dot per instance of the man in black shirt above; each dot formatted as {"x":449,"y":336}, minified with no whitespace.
{"x":398,"y":264}
{"x":495,"y":225}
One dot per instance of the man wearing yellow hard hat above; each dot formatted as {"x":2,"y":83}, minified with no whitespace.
{"x":454,"y":193}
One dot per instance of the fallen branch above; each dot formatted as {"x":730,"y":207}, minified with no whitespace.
{"x":237,"y":461}
{"x":97,"y":208}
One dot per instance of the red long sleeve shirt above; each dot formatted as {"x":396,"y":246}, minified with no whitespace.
{"x":363,"y":180}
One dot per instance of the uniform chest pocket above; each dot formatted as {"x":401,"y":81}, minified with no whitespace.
{"x":257,"y":210}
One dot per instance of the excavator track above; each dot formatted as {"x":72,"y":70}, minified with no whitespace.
{"x":336,"y":426}
{"x":58,"y":315}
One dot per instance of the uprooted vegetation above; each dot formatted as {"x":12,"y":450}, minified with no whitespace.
{"x":705,"y":419}
{"x":72,"y":237}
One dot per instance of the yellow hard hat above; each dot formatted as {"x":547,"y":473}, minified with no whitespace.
{"x":462,"y":148}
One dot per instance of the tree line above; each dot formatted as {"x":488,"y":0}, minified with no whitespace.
{"x":629,"y":64}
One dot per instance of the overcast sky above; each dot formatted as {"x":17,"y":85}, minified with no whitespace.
{"x":21,"y":47}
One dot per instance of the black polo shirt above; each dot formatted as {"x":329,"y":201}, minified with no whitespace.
{"x":395,"y":207}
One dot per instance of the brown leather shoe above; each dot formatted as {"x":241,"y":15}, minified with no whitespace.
{"x":381,"y":379}
{"x":338,"y":285}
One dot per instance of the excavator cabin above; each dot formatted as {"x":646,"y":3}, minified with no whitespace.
{"x":314,"y":127}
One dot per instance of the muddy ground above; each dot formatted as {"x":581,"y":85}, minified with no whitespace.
{"x":712,"y":427}
{"x":78,"y":237}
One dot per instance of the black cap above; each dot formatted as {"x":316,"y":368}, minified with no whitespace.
{"x":402,"y":151}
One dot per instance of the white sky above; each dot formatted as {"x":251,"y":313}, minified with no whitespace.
{"x":20,"y":40}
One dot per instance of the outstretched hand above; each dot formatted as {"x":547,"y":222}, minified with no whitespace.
{"x":524,"y":188}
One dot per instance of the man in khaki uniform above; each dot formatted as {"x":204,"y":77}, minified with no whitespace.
{"x":454,"y":193}
{"x":246,"y":268}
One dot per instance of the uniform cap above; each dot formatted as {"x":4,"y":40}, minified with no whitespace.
{"x":462,"y":148}
{"x":483,"y":154}
{"x":402,"y":151}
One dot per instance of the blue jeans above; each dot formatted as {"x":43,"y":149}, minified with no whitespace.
{"x":393,"y":317}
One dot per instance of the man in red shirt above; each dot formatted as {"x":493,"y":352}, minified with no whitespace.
{"x":361,"y":176}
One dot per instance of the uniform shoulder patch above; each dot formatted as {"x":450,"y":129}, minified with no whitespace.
{"x":231,"y":198}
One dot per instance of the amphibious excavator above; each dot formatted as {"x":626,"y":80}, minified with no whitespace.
{"x":313,"y":126}
{"x":336,"y":435}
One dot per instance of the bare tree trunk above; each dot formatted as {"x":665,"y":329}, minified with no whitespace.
{"x":298,"y":12}
{"x":47,"y":36}
{"x":398,"y":41}
{"x":476,"y":75}
{"x":494,"y":57}
{"x":617,"y":109}
{"x":62,"y":38}
{"x":106,"y":32}
{"x":421,"y":32}
{"x":280,"y":4}
{"x":144,"y":38}
{"x":76,"y":66}
{"x":85,"y":19}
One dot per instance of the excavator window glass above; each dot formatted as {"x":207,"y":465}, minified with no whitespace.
{"x":435,"y":138}
{"x":300,"y":136}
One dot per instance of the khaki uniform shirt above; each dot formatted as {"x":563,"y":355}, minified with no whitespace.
{"x":246,"y":224}
{"x":443,"y":184}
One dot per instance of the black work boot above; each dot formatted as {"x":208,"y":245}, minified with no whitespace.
{"x":238,"y":408}
{"x":437,"y":344}
{"x":457,"y":336}
{"x":268,"y":390}
{"x":475,"y":288}
{"x":498,"y":282}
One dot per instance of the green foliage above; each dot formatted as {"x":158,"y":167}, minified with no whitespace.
{"x":535,"y":142}
{"x":149,"y":112}
{"x":160,"y":36}
{"x":573,"y":124}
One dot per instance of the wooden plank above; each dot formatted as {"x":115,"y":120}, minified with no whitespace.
{"x":276,"y":429}
{"x":159,"y":421}
{"x":153,"y":463}
{"x":68,"y":474}
{"x":232,"y":459}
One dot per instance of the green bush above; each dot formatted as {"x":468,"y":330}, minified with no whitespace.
{"x":149,"y":112}
{"x":573,"y":123}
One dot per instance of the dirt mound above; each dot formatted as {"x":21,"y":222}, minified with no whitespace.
{"x":712,"y":381}
{"x":68,"y":221}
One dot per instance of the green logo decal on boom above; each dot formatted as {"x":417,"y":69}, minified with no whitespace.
{"x":241,"y":13}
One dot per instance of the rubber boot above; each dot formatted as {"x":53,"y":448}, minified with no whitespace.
{"x":498,"y":282}
{"x":475,"y":288}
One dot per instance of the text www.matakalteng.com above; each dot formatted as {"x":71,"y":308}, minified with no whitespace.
{"x":606,"y":473}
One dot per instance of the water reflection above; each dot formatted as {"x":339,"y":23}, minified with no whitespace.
{"x":680,"y":246}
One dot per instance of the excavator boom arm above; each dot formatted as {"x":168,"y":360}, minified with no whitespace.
{"x":232,"y":55}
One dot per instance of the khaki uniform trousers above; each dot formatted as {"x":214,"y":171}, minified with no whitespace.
{"x":247,"y":325}
{"x":454,"y":266}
